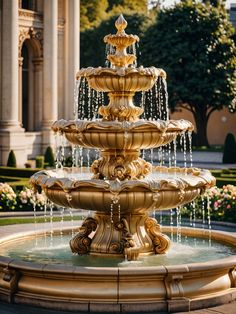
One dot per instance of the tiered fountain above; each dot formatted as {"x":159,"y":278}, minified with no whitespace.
{"x":121,"y":189}
{"x":124,"y":187}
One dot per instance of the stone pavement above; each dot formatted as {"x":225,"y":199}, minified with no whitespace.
{"x":206,"y":160}
{"x":6,"y":308}
{"x":201,"y":159}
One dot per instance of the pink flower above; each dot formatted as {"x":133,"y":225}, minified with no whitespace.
{"x":216,"y":204}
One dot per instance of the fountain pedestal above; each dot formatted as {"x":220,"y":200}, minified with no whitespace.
{"x":130,"y":236}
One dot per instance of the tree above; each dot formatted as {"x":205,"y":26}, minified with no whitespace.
{"x":192,"y":42}
{"x":135,"y":6}
{"x":92,"y":12}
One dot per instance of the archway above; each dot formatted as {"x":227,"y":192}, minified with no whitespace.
{"x":31,"y":85}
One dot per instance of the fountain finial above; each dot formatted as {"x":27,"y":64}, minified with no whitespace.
{"x":121,"y":41}
{"x":121,"y":24}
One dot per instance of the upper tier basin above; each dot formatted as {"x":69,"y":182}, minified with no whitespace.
{"x":121,"y":79}
{"x":164,"y":188}
{"x":121,"y":135}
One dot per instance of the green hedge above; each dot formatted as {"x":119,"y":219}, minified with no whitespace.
{"x":216,"y":173}
{"x":17,"y":178}
{"x":19,"y":185}
{"x":17,"y":172}
{"x":15,"y":182}
{"x":11,"y":179}
{"x":224,"y":176}
{"x":224,"y":181}
{"x":229,"y":171}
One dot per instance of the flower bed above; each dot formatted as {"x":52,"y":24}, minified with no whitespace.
{"x":222,"y":203}
{"x":218,"y":204}
{"x":23,"y":200}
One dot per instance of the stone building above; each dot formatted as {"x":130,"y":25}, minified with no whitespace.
{"x":39,"y":58}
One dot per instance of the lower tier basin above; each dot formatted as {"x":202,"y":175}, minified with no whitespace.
{"x":164,"y":188}
{"x":118,"y":285}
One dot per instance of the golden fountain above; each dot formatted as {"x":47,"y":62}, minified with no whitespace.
{"x":123,"y":188}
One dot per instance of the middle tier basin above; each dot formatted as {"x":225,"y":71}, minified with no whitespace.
{"x":142,"y":134}
{"x":121,"y":79}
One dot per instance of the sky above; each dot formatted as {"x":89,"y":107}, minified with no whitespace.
{"x":170,"y":2}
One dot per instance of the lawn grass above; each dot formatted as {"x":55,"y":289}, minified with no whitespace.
{"x":27,"y":220}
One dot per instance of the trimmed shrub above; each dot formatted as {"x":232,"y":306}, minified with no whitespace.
{"x":39,"y":160}
{"x":229,"y":155}
{"x":49,"y":157}
{"x":216,"y":173}
{"x":11,"y":161}
{"x":17,"y":172}
{"x":225,"y":181}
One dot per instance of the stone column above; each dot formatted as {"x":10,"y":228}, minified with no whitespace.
{"x":20,"y":60}
{"x":50,"y":106}
{"x":11,"y":132}
{"x":38,"y":92}
{"x":9,"y":115}
{"x":72,"y":53}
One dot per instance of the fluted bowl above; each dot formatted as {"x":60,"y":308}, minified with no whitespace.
{"x":121,"y":79}
{"x":165,"y":188}
{"x":121,"y":135}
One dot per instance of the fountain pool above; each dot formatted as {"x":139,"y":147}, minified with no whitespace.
{"x":197,"y":273}
{"x":54,"y":249}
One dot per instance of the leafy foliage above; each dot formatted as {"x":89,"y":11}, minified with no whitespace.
{"x":39,"y":161}
{"x":92,"y":12}
{"x":49,"y":157}
{"x":218,"y":203}
{"x":192,"y":42}
{"x":7,"y":197}
{"x":138,"y":6}
{"x":24,"y":200}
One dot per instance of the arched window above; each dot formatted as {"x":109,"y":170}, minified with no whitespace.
{"x":28,"y":4}
{"x":31,"y":85}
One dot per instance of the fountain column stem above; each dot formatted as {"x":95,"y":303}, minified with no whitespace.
{"x":129,"y":236}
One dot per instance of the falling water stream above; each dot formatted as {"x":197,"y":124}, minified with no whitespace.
{"x":155,"y":105}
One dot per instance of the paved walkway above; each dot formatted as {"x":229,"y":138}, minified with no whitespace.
{"x":6,"y":308}
{"x":206,"y":160}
